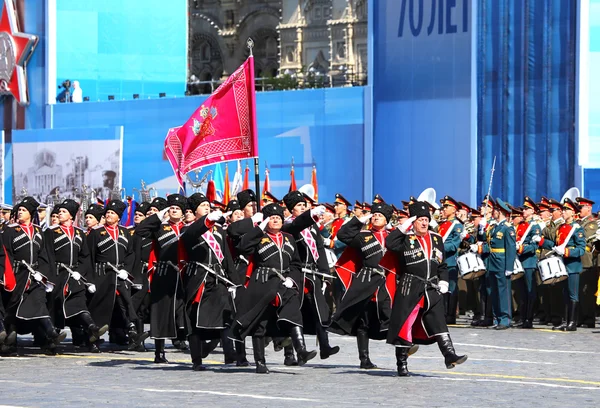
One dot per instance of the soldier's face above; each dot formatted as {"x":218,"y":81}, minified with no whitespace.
{"x":189,"y":216}
{"x":250,"y":209}
{"x":6,"y":215}
{"x":340,"y":208}
{"x":138,"y":217}
{"x":545,"y":215}
{"x":54,"y":219}
{"x":203,"y":209}
{"x":358,"y":212}
{"x":111,"y":218}
{"x":175,"y":213}
{"x":62,"y":216}
{"x":23,"y":215}
{"x":378,"y":221}
{"x":462,"y":214}
{"x":152,"y":211}
{"x":42,"y":214}
{"x":527,"y":212}
{"x":298,"y":209}
{"x":421,"y":225}
{"x":448,"y":211}
{"x":90,"y":221}
{"x":328,"y":216}
{"x":275,"y":223}
{"x":567,"y":214}
{"x":585,"y":211}
{"x":237,"y":215}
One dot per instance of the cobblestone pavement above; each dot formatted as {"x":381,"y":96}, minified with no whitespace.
{"x":505,"y":368}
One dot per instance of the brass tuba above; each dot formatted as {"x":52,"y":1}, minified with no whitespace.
{"x":571,"y":194}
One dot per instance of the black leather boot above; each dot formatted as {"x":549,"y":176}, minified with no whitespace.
{"x":79,"y":336}
{"x":196,"y":344}
{"x":362,"y":341}
{"x":258,"y":345}
{"x":159,"y":352}
{"x":289,"y":359}
{"x":139,"y":325}
{"x":572,"y":317}
{"x":401,"y":361}
{"x":235,"y":331}
{"x":445,"y":344}
{"x":52,"y":337}
{"x":136,"y":339}
{"x":180,"y":342}
{"x":563,"y":325}
{"x":240,"y":349}
{"x":325,"y":349}
{"x":228,"y":349}
{"x":279,"y":343}
{"x":300,"y":346}
{"x":452,"y":303}
{"x":3,"y":333}
{"x":93,"y":330}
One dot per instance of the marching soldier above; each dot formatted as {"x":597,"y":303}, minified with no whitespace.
{"x":69,"y":259}
{"x":588,"y":284}
{"x":452,"y":233}
{"x":271,"y":302}
{"x":569,"y":243}
{"x":112,"y":257}
{"x":365,"y":308}
{"x":501,"y":253}
{"x":418,"y":313}
{"x":94,"y":216}
{"x":341,"y":206}
{"x":358,"y":209}
{"x":25,"y":280}
{"x":526,"y":250}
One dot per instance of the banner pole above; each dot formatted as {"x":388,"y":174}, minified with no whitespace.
{"x":257,"y":184}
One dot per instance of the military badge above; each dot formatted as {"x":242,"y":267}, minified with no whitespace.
{"x":264,"y":241}
{"x":368,"y":238}
{"x":580,"y":235}
{"x":166,"y":228}
{"x":102,"y":232}
{"x":18,"y":229}
{"x":499,"y":235}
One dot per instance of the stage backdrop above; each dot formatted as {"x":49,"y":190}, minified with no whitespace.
{"x":46,"y":160}
{"x":422,"y":98}
{"x":121,"y":48}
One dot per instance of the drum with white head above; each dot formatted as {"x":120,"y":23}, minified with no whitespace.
{"x":470,"y":266}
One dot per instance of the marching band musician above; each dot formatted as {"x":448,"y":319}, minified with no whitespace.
{"x":526,"y":251}
{"x":418,"y":311}
{"x":69,"y":259}
{"x":169,"y":253}
{"x":569,"y":243}
{"x":341,"y":206}
{"x":112,"y":256}
{"x":452,"y":233}
{"x":365,"y":308}
{"x":588,"y":284}
{"x":24,"y":280}
{"x":501,"y":252}
{"x":208,"y":277}
{"x":312,"y":255}
{"x":271,"y":303}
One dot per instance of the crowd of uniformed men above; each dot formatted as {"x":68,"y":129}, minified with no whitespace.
{"x":203,"y":273}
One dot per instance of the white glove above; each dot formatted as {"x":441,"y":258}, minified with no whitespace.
{"x":37,"y":276}
{"x":536,"y":239}
{"x":76,"y":276}
{"x":214,"y":216}
{"x":433,"y":223}
{"x":288,"y":283}
{"x":389,"y":226}
{"x":365,"y":218}
{"x":92,"y":288}
{"x":122,"y":274}
{"x":264,"y":223}
{"x":463,"y":234}
{"x":327,"y":242}
{"x":257,"y":218}
{"x":482,"y":224}
{"x":161,"y":213}
{"x":444,"y":286}
{"x":474,"y":248}
{"x":559,"y":250}
{"x":407,"y":224}
{"x":324,"y":287}
{"x":508,"y":273}
{"x":317,"y":211}
{"x":232,"y":291}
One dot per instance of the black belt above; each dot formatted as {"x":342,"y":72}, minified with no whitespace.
{"x":265,"y":273}
{"x":17,"y":265}
{"x":431,"y":281}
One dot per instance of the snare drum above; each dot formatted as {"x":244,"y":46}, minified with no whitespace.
{"x":470,"y":266}
{"x":518,"y":270}
{"x":552,"y":270}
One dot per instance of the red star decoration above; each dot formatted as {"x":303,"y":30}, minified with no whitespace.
{"x":15,"y":49}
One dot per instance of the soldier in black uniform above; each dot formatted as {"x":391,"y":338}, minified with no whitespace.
{"x":208,"y":276}
{"x":315,"y":309}
{"x":26,"y":309}
{"x":69,"y":259}
{"x":366,"y":306}
{"x":165,"y":283}
{"x":271,"y":303}
{"x":93,"y":216}
{"x":113,"y":258}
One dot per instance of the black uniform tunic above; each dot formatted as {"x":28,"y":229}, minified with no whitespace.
{"x":418,"y":311}
{"x":266,"y":303}
{"x":67,"y":246}
{"x":366,"y":302}
{"x":165,"y":282}
{"x":309,"y":242}
{"x":235,"y":232}
{"x":141,"y":273}
{"x":207,"y":300}
{"x":109,"y":245}
{"x":27,"y":301}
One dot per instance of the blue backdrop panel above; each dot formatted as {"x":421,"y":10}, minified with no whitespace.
{"x":422,"y":98}
{"x":120,"y":48}
{"x":526,"y":85}
{"x":324,"y":127}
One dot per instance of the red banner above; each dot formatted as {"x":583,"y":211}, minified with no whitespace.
{"x":223,"y":128}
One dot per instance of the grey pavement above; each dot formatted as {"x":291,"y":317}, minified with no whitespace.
{"x":505,"y":368}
